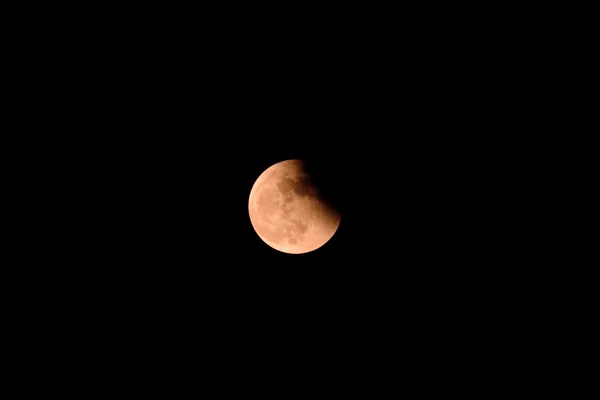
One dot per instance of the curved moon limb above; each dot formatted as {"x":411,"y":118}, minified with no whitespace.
{"x":287,"y":212}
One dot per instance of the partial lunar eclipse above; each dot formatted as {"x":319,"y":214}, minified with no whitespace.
{"x":287,"y":211}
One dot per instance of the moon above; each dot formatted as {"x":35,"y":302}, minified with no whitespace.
{"x":287,"y":212}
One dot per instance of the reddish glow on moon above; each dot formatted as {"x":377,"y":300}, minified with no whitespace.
{"x":287,"y":212}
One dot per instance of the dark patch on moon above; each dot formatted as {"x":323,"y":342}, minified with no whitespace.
{"x":287,"y":204}
{"x":300,"y":227}
{"x":303,"y":186}
{"x":286,"y":185}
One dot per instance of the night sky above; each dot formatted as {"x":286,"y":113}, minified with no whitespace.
{"x":178,"y":141}
{"x":400,"y":137}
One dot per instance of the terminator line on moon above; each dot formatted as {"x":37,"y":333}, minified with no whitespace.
{"x":287,"y":212}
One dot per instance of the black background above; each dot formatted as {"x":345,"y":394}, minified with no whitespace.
{"x":166,"y":124}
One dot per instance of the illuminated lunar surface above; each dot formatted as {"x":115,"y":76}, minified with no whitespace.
{"x":287,"y":212}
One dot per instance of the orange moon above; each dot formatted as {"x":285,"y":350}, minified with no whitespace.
{"x":287,"y":211}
